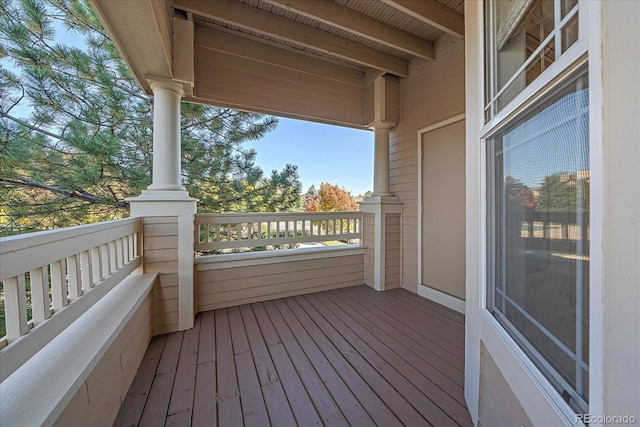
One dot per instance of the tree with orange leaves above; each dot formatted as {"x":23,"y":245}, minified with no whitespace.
{"x":329,"y":198}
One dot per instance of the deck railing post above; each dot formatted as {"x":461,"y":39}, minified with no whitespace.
{"x":382,"y":211}
{"x":168,"y":213}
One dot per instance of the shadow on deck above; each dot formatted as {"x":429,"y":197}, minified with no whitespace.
{"x":350,"y":356}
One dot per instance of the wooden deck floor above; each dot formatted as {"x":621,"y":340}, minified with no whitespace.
{"x":351,"y":356}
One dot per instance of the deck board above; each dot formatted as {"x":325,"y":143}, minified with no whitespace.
{"x":349,"y":356}
{"x":157,"y":405}
{"x":136,"y":399}
{"x":204,"y":399}
{"x":229,"y":407}
{"x":432,"y":383}
{"x":346,"y":401}
{"x":278,"y":408}
{"x":419,"y":356}
{"x":322,"y":400}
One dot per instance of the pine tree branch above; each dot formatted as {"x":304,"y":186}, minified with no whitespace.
{"x":80,"y":195}
{"x":36,"y":129}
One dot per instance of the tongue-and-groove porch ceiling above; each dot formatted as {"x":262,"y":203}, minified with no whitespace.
{"x":308,"y":59}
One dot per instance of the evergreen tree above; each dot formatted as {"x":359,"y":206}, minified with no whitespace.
{"x":559,"y":192}
{"x":76,"y":130}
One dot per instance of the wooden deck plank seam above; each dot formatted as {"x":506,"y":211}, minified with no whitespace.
{"x":350,"y":406}
{"x":428,"y":388}
{"x":350,"y":356}
{"x":369,"y":323}
{"x":392,"y":372}
{"x":435,"y":341}
{"x":408,"y":339}
{"x":407,"y":413}
{"x":389,"y":302}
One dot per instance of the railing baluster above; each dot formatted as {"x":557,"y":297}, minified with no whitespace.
{"x":104,"y":261}
{"x":136,"y":245}
{"x":15,"y":305}
{"x":71,"y":268}
{"x":40,"y":306}
{"x":85,"y":271}
{"x":96,"y":275}
{"x":73,"y":273}
{"x":58,"y":285}
{"x":274,"y":229}
{"x":119,"y":255}
{"x":129,"y":252}
{"x":125,"y":249}
{"x":111,"y":247}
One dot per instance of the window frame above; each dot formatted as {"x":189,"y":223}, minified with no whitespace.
{"x":493,"y":212}
{"x":491,"y":92}
{"x":576,"y":56}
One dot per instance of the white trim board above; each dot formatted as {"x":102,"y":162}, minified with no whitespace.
{"x":455,"y":304}
{"x":216,"y":262}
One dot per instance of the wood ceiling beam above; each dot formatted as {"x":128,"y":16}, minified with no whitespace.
{"x":271,"y":25}
{"x":433,"y":13}
{"x":360,"y":24}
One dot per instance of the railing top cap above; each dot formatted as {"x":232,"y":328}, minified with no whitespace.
{"x":299,"y":214}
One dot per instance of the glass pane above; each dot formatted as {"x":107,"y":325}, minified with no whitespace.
{"x":526,"y":76}
{"x":566,"y":6}
{"x":518,"y":35}
{"x":570,"y":32}
{"x":540,"y":198}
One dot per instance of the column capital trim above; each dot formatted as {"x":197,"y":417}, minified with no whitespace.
{"x":165,"y":83}
{"x":381,"y":124}
{"x":381,"y":204}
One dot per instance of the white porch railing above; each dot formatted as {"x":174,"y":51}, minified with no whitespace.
{"x":218,"y":232}
{"x":67,"y":272}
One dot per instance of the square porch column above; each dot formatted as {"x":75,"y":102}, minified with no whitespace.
{"x":168,"y":215}
{"x":382,"y":219}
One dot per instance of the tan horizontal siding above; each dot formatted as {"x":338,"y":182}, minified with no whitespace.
{"x":155,"y":230}
{"x":225,"y":287}
{"x":265,"y":270}
{"x":231,"y":298}
{"x":284,"y":276}
{"x":168,"y":280}
{"x":170,"y":219}
{"x":167,"y":293}
{"x":166,"y":320}
{"x":443,"y":81}
{"x":392,"y":251}
{"x":160,"y":255}
{"x":166,"y":306}
{"x":368,"y":237}
{"x":160,"y":243}
{"x":263,"y":78}
{"x":161,"y":267}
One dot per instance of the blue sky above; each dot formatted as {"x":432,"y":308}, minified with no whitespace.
{"x":323,"y":153}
